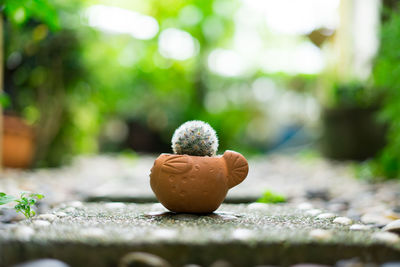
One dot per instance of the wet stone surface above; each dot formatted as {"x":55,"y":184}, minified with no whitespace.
{"x":100,"y":234}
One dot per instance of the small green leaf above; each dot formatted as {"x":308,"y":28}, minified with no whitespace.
{"x":4,"y":199}
{"x":270,"y":197}
{"x":25,"y":203}
{"x":38,"y":196}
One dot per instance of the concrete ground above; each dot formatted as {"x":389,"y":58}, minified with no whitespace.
{"x":100,"y":234}
{"x":92,"y":216}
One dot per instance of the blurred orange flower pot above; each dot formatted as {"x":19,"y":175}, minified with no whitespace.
{"x":18,"y":143}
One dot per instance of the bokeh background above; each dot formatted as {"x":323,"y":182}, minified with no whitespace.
{"x":319,"y":78}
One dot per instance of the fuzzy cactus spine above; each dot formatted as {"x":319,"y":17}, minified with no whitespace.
{"x":196,"y":138}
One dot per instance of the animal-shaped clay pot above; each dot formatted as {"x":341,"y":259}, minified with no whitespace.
{"x":196,"y":184}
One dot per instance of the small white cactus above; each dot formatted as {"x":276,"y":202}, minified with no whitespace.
{"x":196,"y":138}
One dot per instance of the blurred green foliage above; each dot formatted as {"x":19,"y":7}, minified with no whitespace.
{"x":346,"y":93}
{"x":386,"y":76}
{"x":75,"y":83}
{"x":21,"y":11}
{"x":67,"y":79}
{"x":4,"y":100}
{"x":138,"y":84}
{"x":43,"y":72}
{"x":353,"y":94}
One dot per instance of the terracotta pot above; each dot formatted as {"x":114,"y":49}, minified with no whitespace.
{"x":194,"y":184}
{"x":18,"y":143}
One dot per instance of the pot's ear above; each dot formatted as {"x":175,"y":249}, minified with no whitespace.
{"x":175,"y":164}
{"x":237,"y":167}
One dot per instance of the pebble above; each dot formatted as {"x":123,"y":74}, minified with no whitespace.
{"x":386,"y":237}
{"x":305,"y":206}
{"x":60,"y":214}
{"x":393,"y":227}
{"x":24,"y":232}
{"x":397,"y":208}
{"x":355,"y":262}
{"x":309,"y":265}
{"x":313,"y":212}
{"x":115,"y":205}
{"x":359,"y":227}
{"x":42,"y":263}
{"x":40,"y":223}
{"x":47,"y":217}
{"x":326,"y":215}
{"x":70,"y":210}
{"x":8,"y":215}
{"x":257,"y":206}
{"x":7,"y":227}
{"x":343,"y":220}
{"x":353,"y":214}
{"x":243,"y":234}
{"x":338,"y":206}
{"x":320,"y":234}
{"x":320,"y":193}
{"x":375,"y":218}
{"x":75,"y":204}
{"x":221,"y":263}
{"x":164,"y":234}
{"x":142,"y":259}
{"x":391,"y":264}
{"x":93,"y":232}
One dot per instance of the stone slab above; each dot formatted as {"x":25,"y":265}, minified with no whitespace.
{"x":324,"y":184}
{"x":291,"y":176}
{"x":100,"y":234}
{"x":113,"y":178}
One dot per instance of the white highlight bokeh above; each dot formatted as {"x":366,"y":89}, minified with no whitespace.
{"x":119,"y":20}
{"x":177,"y":44}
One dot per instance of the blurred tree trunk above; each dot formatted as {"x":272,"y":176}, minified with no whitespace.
{"x":200,"y":88}
{"x":356,"y":39}
{"x":51,"y":103}
{"x":344,"y":41}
